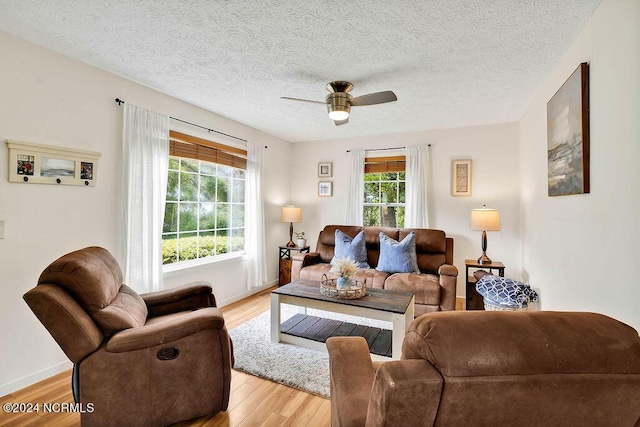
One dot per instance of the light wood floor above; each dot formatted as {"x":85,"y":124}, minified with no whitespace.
{"x":254,"y":401}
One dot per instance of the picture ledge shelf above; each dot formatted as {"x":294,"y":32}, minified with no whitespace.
{"x":31,"y":163}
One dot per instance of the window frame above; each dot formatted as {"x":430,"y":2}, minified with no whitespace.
{"x":203,"y":151}
{"x":383,"y":165}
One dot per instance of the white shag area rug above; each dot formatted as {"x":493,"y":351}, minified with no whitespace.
{"x":287,"y":364}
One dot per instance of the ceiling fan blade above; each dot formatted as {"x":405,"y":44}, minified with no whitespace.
{"x":303,"y":100}
{"x":374,"y":98}
{"x":341,"y":122}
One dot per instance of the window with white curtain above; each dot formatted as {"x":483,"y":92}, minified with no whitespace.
{"x":384,"y":191}
{"x":205,"y":209}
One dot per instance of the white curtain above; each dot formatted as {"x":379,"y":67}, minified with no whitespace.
{"x":145,"y":143}
{"x":355,"y":190}
{"x":254,"y":216}
{"x":417,"y":187}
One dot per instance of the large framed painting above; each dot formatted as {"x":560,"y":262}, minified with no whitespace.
{"x":568,"y":136}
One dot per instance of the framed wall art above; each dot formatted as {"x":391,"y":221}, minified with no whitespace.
{"x":44,"y":164}
{"x":568,"y":136}
{"x":461,"y":177}
{"x":325,"y":169}
{"x":325,"y":188}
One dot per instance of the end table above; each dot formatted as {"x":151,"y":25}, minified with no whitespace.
{"x":285,"y":262}
{"x":474,"y":299}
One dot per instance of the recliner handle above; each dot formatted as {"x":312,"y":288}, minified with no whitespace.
{"x":168,"y":353}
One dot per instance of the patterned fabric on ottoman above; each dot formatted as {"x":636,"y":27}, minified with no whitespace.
{"x":503,"y":292}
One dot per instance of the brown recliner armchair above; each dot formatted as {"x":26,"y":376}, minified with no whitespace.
{"x":143,"y":360}
{"x":493,"y":368}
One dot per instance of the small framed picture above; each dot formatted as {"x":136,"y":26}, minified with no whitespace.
{"x":325,"y":188}
{"x":325,"y":169}
{"x":461,"y":178}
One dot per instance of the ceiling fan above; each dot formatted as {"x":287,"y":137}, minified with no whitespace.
{"x":339,"y":101}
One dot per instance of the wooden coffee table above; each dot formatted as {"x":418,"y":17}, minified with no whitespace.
{"x":391,"y":306}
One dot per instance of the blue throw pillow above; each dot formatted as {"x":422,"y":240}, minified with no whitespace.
{"x":398,"y":257}
{"x":348,"y":247}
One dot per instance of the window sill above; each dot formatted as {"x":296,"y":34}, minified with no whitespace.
{"x":201,"y":262}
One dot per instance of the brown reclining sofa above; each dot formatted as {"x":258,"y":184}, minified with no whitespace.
{"x":493,"y":368}
{"x":434,"y":287}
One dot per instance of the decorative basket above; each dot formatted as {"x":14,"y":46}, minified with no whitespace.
{"x":328,"y":288}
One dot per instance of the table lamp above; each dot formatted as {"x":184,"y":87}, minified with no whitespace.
{"x":291,"y":214}
{"x":484,"y":220}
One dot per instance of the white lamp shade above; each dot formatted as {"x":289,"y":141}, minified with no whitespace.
{"x":291,"y":214}
{"x":485,"y":219}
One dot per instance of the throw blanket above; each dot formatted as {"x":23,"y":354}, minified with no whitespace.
{"x":501,"y":291}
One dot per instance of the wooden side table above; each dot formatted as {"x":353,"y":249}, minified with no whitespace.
{"x":285,"y":262}
{"x":474,"y":299}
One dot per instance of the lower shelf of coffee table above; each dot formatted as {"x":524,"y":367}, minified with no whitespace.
{"x":319,"y":329}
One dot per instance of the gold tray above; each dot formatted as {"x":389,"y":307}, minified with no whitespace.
{"x":328,"y":288}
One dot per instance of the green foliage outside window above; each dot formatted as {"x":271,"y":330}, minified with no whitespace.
{"x":204,"y":213}
{"x":384,"y":199}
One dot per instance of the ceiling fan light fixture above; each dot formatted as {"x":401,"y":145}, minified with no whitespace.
{"x":338,"y":106}
{"x":338,"y":115}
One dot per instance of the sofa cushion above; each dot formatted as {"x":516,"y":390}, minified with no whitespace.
{"x":127,"y":310}
{"x":94,"y":279}
{"x":350,"y":247}
{"x":431,"y":248}
{"x":487,"y":343}
{"x":426,"y":287}
{"x":398,"y":257}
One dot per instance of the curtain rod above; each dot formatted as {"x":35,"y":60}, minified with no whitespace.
{"x":120,"y":102}
{"x":385,"y":149}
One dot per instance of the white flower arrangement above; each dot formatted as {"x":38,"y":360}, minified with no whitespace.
{"x":344,"y":267}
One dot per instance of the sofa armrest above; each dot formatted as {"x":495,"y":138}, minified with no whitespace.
{"x":165,"y":332}
{"x":448,"y":270}
{"x":406,"y":393}
{"x":351,"y":374}
{"x":448,"y":283}
{"x":184,"y":298}
{"x":302,"y":260}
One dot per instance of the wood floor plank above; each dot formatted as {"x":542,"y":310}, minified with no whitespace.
{"x":253,"y":400}
{"x":322,"y":417}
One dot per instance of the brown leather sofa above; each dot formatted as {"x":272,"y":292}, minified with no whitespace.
{"x":139,"y":360}
{"x":493,"y":368}
{"x":434,"y":287}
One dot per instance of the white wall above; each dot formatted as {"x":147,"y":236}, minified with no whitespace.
{"x":494,"y":151}
{"x":50,"y":99}
{"x":582,"y":250}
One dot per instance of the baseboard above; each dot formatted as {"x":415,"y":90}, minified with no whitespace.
{"x":248,"y":293}
{"x":35,"y":377}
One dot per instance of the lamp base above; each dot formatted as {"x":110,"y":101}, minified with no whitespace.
{"x":291,"y":244}
{"x":484,"y":259}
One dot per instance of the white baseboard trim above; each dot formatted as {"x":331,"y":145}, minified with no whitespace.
{"x":246,"y":294}
{"x":33,"y":378}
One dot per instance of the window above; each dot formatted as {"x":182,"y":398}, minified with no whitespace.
{"x":204,"y":212}
{"x":384,"y":191}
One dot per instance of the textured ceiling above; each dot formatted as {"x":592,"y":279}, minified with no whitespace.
{"x":450,"y":62}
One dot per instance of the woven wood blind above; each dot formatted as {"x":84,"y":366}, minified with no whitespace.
{"x":183,"y":145}
{"x":384,"y":164}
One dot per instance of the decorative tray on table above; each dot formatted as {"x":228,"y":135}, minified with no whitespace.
{"x":328,"y":287}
